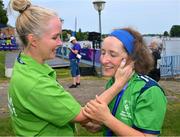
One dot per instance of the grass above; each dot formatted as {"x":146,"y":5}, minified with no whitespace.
{"x":2,"y":62}
{"x":62,"y":72}
{"x":172,"y":124}
{"x":5,"y":127}
{"x":2,"y":65}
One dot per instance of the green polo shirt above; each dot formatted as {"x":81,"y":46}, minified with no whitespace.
{"x":39,"y":105}
{"x":145,"y":112}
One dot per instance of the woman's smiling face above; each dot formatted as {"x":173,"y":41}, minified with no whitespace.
{"x":50,"y":40}
{"x":112,"y":54}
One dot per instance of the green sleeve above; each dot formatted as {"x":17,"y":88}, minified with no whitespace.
{"x":150,"y":110}
{"x":49,"y":101}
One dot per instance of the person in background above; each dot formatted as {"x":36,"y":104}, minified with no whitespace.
{"x":139,"y":108}
{"x":38,"y":104}
{"x":1,"y":41}
{"x":13,"y":40}
{"x":155,"y":72}
{"x":74,"y":62}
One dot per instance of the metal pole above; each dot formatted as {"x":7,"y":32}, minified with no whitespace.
{"x":100,"y":39}
{"x":93,"y":42}
{"x":172,"y":64}
{"x":99,"y":22}
{"x":62,"y":48}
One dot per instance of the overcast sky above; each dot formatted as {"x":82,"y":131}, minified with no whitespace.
{"x":147,"y":16}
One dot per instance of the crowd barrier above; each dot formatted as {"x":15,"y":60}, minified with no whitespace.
{"x":8,"y":44}
{"x":170,"y":66}
{"x":89,"y":55}
{"x":9,"y":47}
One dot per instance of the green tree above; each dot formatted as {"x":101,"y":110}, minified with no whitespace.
{"x":81,"y":35}
{"x":166,"y":34}
{"x":85,"y":35}
{"x":3,"y":14}
{"x":65,"y":34}
{"x":175,"y":31}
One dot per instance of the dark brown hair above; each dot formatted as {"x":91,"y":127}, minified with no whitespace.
{"x":141,"y":55}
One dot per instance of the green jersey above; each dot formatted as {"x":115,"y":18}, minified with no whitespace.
{"x":144,"y":112}
{"x":39,"y":105}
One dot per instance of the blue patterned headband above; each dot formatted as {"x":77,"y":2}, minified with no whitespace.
{"x":126,"y":38}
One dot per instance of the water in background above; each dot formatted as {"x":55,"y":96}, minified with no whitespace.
{"x":172,"y":47}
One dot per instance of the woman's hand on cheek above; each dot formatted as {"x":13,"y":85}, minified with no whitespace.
{"x":124,"y":72}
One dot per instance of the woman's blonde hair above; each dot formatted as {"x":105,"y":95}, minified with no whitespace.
{"x":31,"y":20}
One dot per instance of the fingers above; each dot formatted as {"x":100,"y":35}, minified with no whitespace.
{"x":124,"y":73}
{"x":128,"y":68}
{"x":91,"y":106}
{"x":123,"y":63}
{"x":85,"y":112}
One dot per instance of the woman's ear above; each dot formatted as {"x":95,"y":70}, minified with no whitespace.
{"x":31,"y":40}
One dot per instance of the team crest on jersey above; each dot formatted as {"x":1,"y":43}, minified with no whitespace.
{"x":125,"y":113}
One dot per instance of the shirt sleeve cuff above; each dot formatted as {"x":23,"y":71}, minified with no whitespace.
{"x":146,"y":131}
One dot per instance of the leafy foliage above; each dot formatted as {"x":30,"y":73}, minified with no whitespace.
{"x":3,"y":14}
{"x":2,"y":64}
{"x":166,"y":33}
{"x":175,"y":31}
